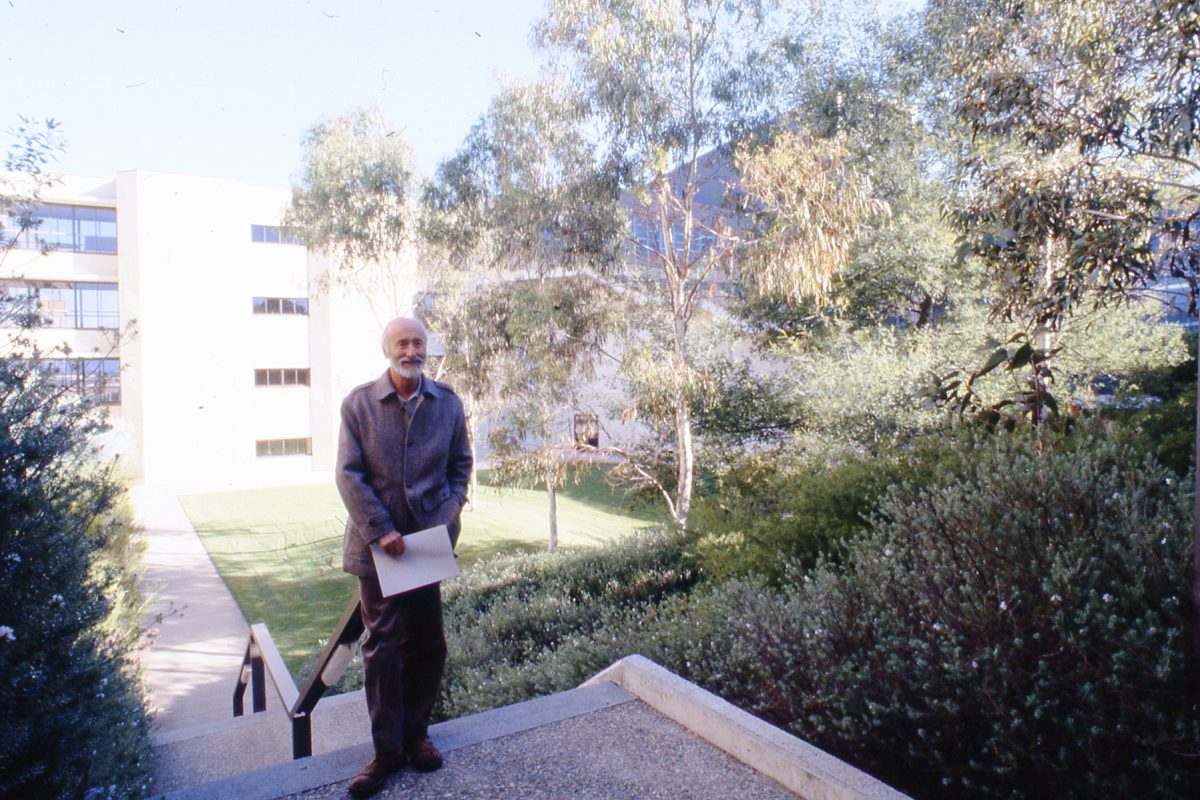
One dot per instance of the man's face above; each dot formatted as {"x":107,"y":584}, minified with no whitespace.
{"x":405,"y":349}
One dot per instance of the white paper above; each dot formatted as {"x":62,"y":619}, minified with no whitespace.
{"x":427,"y":558}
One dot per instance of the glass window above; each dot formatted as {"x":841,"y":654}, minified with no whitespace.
{"x":281,"y":305}
{"x":283,"y":447}
{"x":97,"y":305}
{"x":587,"y":430}
{"x":260,"y":377}
{"x":80,"y":229}
{"x":273,"y":234}
{"x":95,"y":230}
{"x":57,"y":306}
{"x":95,"y":379}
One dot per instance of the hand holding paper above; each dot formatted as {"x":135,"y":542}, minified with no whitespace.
{"x":427,"y":558}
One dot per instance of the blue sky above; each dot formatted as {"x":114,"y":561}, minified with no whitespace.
{"x":227,"y":89}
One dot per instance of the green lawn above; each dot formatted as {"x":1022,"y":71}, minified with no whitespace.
{"x":280,"y":550}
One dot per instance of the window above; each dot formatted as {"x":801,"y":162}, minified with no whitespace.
{"x":273,"y":234}
{"x":78,"y":229}
{"x":281,"y":305}
{"x":283,"y":447}
{"x":587,"y":430}
{"x":299,"y":376}
{"x":72,"y":305}
{"x":95,"y":379}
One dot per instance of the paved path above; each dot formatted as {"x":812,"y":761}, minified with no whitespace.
{"x":192,"y":660}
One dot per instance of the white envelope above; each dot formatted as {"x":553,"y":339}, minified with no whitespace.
{"x":427,"y":558}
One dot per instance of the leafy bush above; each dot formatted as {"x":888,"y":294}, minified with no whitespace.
{"x":1016,"y":631}
{"x":72,"y":722}
{"x":763,"y":515}
{"x":523,"y":626}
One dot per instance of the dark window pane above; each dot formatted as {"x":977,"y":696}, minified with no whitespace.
{"x":304,"y":376}
{"x":260,"y":305}
{"x":270,"y":234}
{"x":301,"y":304}
{"x":260,"y":377}
{"x":272,"y":305}
{"x":257,"y":234}
{"x":289,"y":307}
{"x":289,"y":377}
{"x":274,"y":378}
{"x":262,"y":448}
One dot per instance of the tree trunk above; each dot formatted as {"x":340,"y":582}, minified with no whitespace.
{"x":552,"y":498}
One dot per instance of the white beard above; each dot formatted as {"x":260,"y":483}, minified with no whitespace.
{"x":408,"y":371}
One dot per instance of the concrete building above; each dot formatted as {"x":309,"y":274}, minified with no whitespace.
{"x":194,"y":317}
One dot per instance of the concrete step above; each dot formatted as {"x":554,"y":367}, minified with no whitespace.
{"x":251,"y":760}
{"x":186,"y":757}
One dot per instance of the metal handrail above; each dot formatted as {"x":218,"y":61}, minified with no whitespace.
{"x":262,"y":659}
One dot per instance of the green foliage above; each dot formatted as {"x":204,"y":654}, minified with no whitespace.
{"x":1016,"y":631}
{"x":72,"y":722}
{"x":763,"y":516}
{"x":524,"y":626}
{"x":1085,"y":119}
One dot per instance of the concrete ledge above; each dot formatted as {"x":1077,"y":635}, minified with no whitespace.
{"x":806,"y":770}
{"x":303,"y":774}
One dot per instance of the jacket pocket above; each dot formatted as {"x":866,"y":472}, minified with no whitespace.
{"x":431,"y":501}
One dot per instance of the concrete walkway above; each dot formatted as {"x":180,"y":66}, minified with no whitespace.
{"x":197,"y":633}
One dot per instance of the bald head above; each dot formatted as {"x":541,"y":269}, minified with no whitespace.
{"x":404,"y":340}
{"x":402,"y":325}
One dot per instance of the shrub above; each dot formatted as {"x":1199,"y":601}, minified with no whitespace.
{"x":522,"y":626}
{"x":72,"y":723}
{"x":763,"y":515}
{"x":1018,"y":630}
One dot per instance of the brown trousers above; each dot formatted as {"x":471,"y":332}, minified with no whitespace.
{"x":404,"y":655}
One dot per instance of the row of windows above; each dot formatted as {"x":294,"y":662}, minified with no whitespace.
{"x":281,"y":305}
{"x":273,"y":234}
{"x":70,"y":305}
{"x":95,"y":379}
{"x":647,"y":233}
{"x":283,"y":447}
{"x":77,"y":229}
{"x":300,"y":376}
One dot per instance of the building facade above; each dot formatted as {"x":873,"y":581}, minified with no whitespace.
{"x":195,"y":318}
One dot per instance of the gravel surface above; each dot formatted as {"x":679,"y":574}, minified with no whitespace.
{"x":623,"y":752}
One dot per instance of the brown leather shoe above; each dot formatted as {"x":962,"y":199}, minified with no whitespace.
{"x":375,"y":774}
{"x":423,"y":755}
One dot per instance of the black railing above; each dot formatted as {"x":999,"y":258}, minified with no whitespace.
{"x":262,"y":659}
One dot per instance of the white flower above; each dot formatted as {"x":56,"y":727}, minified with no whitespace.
{"x":1003,"y":605}
{"x":1056,"y":598}
{"x":6,"y":633}
{"x":56,"y":599}
{"x":14,"y":557}
{"x":1106,"y":597}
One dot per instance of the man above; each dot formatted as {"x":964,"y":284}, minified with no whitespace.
{"x":403,"y":465}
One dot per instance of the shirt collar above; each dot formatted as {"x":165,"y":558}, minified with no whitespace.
{"x":385,"y":387}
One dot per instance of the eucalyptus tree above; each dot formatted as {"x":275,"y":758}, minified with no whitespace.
{"x":683,"y":99}
{"x":356,"y":203}
{"x":1083,"y":188}
{"x":549,"y":332}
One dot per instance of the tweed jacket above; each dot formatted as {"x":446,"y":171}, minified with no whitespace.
{"x":435,"y":463}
